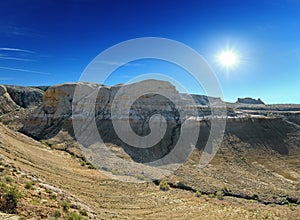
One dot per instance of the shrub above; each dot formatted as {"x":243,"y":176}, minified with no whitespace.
{"x":117,"y":172}
{"x":36,"y":202}
{"x":226,"y":189}
{"x":44,"y":142}
{"x":198,"y":193}
{"x":9,"y":197}
{"x":143,"y":178}
{"x":57,"y":214}
{"x":211,"y":195}
{"x":220,"y":195}
{"x":29,"y":185}
{"x":83,"y":212}
{"x":66,"y":205}
{"x":8,"y":179}
{"x":75,"y":216}
{"x":164,"y":186}
{"x":292,"y":206}
{"x":91,"y":166}
{"x":205,"y":197}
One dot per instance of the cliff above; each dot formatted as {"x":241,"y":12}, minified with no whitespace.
{"x":15,"y":97}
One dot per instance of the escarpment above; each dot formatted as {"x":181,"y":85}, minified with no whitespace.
{"x":16,"y":97}
{"x":254,"y":124}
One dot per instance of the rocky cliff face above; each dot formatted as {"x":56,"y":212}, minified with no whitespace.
{"x":14,"y":97}
{"x":25,"y":97}
{"x":7,"y":104}
{"x":55,"y":115}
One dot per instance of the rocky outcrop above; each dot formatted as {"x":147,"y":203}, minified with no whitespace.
{"x":6,"y":103}
{"x":25,"y":96}
{"x":250,"y":101}
{"x":15,"y":97}
{"x":55,"y":115}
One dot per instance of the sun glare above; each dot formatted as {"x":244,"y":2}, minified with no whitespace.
{"x":228,"y":59}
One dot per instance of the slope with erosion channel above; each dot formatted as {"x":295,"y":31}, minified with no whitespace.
{"x":105,"y":198}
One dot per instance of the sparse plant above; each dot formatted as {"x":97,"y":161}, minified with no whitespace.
{"x":35,"y":201}
{"x":220,"y":195}
{"x":8,"y":179}
{"x":9,"y":197}
{"x":211,"y":195}
{"x":143,"y":178}
{"x":66,"y":205}
{"x":29,"y":185}
{"x":83,"y":212}
{"x":198,"y":194}
{"x":292,"y":206}
{"x":205,"y":197}
{"x":56,"y":214}
{"x":117,"y":172}
{"x":44,"y":142}
{"x":91,"y":166}
{"x":226,"y":189}
{"x":75,"y":216}
{"x":53,"y":196}
{"x":164,"y":185}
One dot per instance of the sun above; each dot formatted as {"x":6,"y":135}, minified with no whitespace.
{"x":228,"y":59}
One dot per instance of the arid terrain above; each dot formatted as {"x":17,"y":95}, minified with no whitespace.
{"x":44,"y":175}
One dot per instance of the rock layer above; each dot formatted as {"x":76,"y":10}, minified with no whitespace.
{"x":55,"y":115}
{"x":14,"y":97}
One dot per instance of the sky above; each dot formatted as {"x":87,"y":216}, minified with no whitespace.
{"x":50,"y":42}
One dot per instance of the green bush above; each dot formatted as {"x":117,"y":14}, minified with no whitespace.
{"x":91,"y":166}
{"x":198,"y":193}
{"x":29,"y":185}
{"x":66,"y":205}
{"x":220,"y":195}
{"x":8,"y":179}
{"x":83,"y":212}
{"x":211,"y":195}
{"x":57,"y":214}
{"x":9,"y":197}
{"x":75,"y":216}
{"x":164,"y":186}
{"x":118,"y":172}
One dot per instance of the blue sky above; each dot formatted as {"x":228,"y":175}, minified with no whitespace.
{"x":49,"y":42}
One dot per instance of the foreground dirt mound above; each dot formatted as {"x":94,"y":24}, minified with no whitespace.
{"x":90,"y":192}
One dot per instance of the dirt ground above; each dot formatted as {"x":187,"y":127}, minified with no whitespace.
{"x":105,"y":198}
